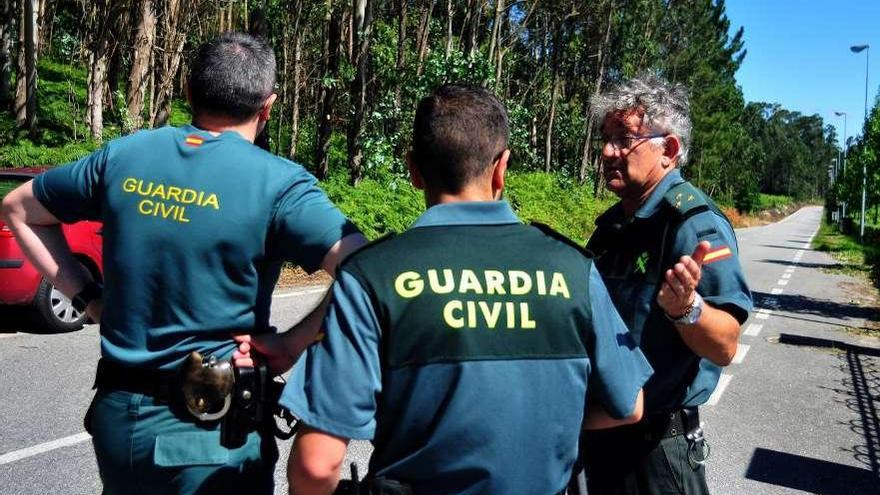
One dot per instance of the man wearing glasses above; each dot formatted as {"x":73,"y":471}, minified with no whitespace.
{"x":669,"y":259}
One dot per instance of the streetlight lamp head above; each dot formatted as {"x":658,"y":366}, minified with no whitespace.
{"x":840,"y":114}
{"x":858,"y":48}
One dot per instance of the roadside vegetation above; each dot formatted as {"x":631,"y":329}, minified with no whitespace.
{"x":351,"y":73}
{"x":855,"y":258}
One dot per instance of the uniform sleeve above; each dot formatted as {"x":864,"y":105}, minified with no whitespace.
{"x":305,"y":224}
{"x":722,"y":283}
{"x":73,"y":192}
{"x":334,"y":388}
{"x":618,"y":368}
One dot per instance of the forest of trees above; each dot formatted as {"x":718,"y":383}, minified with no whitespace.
{"x":351,"y":72}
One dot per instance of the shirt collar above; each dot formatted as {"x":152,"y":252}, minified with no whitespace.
{"x":468,"y":213}
{"x":190,"y":128}
{"x":616,"y":215}
{"x":652,"y":204}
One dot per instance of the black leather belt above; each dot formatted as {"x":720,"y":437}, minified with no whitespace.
{"x":675,"y":423}
{"x":159,"y":384}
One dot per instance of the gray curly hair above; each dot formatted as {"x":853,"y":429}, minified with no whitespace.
{"x":665,"y":106}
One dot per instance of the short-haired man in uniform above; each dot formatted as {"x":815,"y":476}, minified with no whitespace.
{"x":197,"y":221}
{"x":669,"y":259}
{"x":463,"y":348}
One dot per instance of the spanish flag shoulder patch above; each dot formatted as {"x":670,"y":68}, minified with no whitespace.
{"x":717,"y":254}
{"x":194,"y":140}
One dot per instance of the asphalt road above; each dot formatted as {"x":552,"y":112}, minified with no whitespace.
{"x":796,"y":413}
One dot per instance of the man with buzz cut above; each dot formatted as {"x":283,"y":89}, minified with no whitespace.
{"x":465,"y":347}
{"x":197,"y":221}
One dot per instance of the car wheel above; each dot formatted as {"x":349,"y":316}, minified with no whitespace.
{"x":54,"y":311}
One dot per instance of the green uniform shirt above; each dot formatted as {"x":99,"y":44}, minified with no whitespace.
{"x":195,"y":230}
{"x":632,"y":255}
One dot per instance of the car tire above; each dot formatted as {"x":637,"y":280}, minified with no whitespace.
{"x":54,"y":311}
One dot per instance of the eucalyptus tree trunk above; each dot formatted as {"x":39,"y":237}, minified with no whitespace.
{"x":31,"y":37}
{"x":174,"y":24}
{"x":423,"y":33}
{"x":140,"y":65}
{"x":7,"y":18}
{"x":362,"y":30}
{"x":401,"y":52}
{"x":296,"y":88}
{"x":332,"y":38}
{"x":450,"y":14}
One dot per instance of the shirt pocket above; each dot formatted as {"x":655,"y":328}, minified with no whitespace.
{"x":189,"y":449}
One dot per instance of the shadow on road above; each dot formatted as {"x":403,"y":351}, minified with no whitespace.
{"x":809,"y":475}
{"x":795,"y":248}
{"x":804,"y":265}
{"x":799,"y":304}
{"x":15,"y":319}
{"x":860,"y":392}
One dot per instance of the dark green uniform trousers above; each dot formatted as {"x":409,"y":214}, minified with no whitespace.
{"x":635,"y":460}
{"x":144,"y":448}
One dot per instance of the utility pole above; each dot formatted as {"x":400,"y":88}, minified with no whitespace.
{"x":867,"y":49}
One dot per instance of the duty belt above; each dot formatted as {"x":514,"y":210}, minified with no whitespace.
{"x":245,"y":399}
{"x":158,"y":384}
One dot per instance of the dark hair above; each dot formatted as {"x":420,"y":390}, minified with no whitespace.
{"x":458,"y":132}
{"x":232,"y":75}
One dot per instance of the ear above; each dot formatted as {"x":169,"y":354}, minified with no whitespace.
{"x":266,"y":109}
{"x":415,"y":177}
{"x":498,"y":171}
{"x":672,"y":148}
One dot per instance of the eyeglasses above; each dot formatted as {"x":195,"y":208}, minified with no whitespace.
{"x":624,"y":141}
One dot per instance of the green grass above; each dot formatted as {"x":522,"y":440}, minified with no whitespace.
{"x":771,"y":201}
{"x":62,"y":132}
{"x":855,"y":258}
{"x":7,"y":185}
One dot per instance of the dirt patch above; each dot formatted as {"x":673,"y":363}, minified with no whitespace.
{"x":863,"y":294}
{"x":765,"y":217}
{"x":294,"y":276}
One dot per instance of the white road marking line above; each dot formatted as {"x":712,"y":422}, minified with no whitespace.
{"x":789,"y":269}
{"x":17,"y":455}
{"x":786,"y":275}
{"x":782,"y":281}
{"x":763,"y":313}
{"x":723,"y":381}
{"x":741,"y":351}
{"x":799,"y":252}
{"x":753,"y":329}
{"x":776,"y":291}
{"x":300,"y":293}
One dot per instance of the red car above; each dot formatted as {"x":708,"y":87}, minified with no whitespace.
{"x":21,"y":284}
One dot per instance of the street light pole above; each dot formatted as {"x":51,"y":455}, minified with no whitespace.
{"x":843,"y":203}
{"x":867,"y":49}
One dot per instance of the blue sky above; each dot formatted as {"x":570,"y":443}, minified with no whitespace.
{"x":798,"y":55}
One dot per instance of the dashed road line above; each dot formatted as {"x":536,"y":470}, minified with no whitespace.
{"x":17,"y":455}
{"x":786,"y":275}
{"x":741,"y":351}
{"x":782,"y":281}
{"x":753,"y":329}
{"x":776,"y":291}
{"x":723,"y":382}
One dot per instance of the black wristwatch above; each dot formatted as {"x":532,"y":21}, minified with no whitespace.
{"x":92,"y":290}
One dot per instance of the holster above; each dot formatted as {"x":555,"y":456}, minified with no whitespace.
{"x":253,"y":399}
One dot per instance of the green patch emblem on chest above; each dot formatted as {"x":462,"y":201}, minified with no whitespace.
{"x":642,"y":263}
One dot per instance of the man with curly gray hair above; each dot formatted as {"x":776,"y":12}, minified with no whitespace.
{"x":668,"y":256}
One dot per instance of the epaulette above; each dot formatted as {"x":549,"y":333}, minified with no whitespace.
{"x":368,"y":245}
{"x":686,"y":199}
{"x":547,"y":230}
